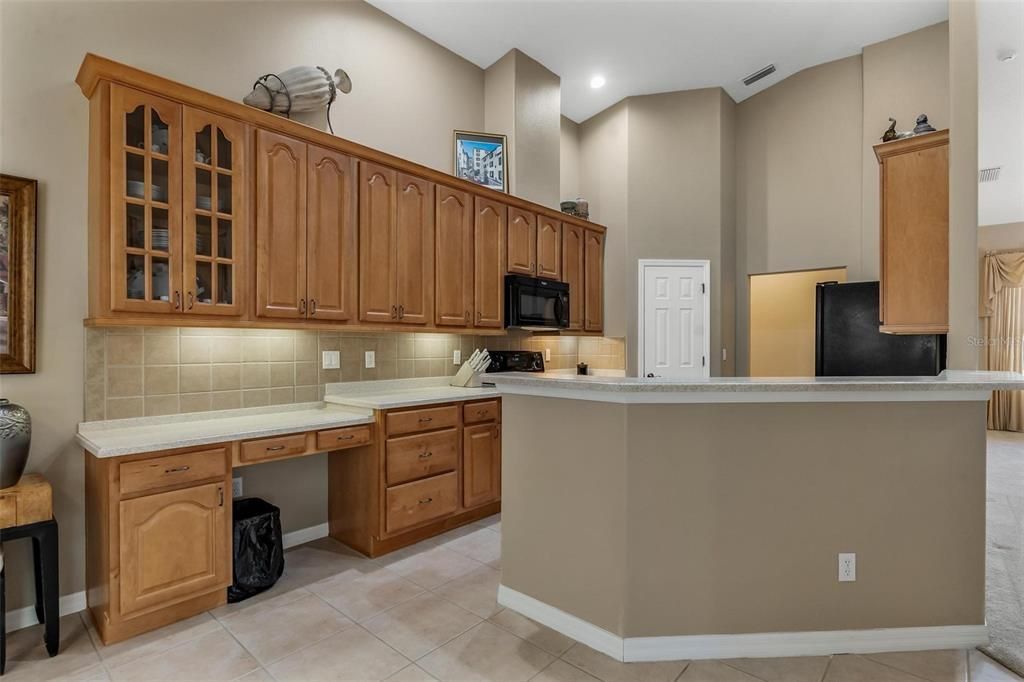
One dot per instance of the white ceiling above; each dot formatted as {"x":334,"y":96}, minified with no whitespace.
{"x":1001,"y":110}
{"x":643,"y":46}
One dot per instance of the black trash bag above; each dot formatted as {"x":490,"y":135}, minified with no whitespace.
{"x":257,"y":546}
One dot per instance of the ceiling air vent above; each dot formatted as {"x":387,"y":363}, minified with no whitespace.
{"x":759,"y":74}
{"x":989,"y":174}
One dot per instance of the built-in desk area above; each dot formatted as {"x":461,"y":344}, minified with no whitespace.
{"x":408,"y":459}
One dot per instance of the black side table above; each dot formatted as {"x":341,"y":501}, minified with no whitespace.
{"x":47,"y":576}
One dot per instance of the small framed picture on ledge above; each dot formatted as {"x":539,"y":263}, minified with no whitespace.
{"x":481,"y":158}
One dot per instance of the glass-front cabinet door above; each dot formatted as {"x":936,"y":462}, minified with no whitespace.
{"x":215,"y":215}
{"x":145,"y":167}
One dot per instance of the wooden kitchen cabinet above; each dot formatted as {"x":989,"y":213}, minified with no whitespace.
{"x":453,"y":253}
{"x":396,"y":251}
{"x":489,"y":263}
{"x":481,"y":463}
{"x":332,"y":238}
{"x":521,"y":246}
{"x":914,"y":229}
{"x":573,"y":272}
{"x":280,"y":226}
{"x":549,"y":248}
{"x":593,"y":281}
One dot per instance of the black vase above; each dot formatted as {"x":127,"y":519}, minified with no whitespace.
{"x":15,"y":439}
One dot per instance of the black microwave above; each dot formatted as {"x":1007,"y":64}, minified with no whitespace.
{"x":536,"y":304}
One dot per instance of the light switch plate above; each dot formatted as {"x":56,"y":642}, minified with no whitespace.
{"x":547,"y":355}
{"x":332,"y":359}
{"x":456,"y":357}
{"x":371,"y":359}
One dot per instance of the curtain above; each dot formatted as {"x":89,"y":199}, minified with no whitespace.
{"x":1002,"y":308}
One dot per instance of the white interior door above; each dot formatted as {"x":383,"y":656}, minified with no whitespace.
{"x":674,"y":333}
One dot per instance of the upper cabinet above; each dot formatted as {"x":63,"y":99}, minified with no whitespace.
{"x":914,"y":192}
{"x":396,"y":254}
{"x":204,"y":211}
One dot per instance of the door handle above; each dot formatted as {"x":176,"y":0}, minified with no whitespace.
{"x":302,"y":306}
{"x":426,"y":455}
{"x":394,"y":312}
{"x":348,"y":437}
{"x":427,"y":500}
{"x":220,"y":494}
{"x":424,"y":420}
{"x":177,"y":300}
{"x":191,"y":300}
{"x":401,"y":311}
{"x":275,"y":448}
{"x":467,"y":317}
{"x":312,"y":307}
{"x":177,"y":470}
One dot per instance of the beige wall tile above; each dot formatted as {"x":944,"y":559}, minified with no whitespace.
{"x":226,"y":377}
{"x":226,"y":349}
{"x":225,"y":400}
{"x":195,"y":349}
{"x":255,"y":374}
{"x":305,"y":374}
{"x":124,"y":381}
{"x":160,"y":349}
{"x":282,"y":374}
{"x":407,"y":347}
{"x":194,"y":378}
{"x":256,"y":398}
{"x":330,"y":376}
{"x":282,"y":396}
{"x":95,"y":354}
{"x":160,"y":379}
{"x":161,"y":404}
{"x":195,"y":402}
{"x":282,"y":349}
{"x":305,"y":346}
{"x":307,"y":394}
{"x":123,"y":350}
{"x":123,"y":408}
{"x":406,"y":369}
{"x":95,"y":400}
{"x":159,"y":331}
{"x":255,"y":349}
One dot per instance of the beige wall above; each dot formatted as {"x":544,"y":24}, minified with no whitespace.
{"x":727,"y":195}
{"x":783,"y":310}
{"x":408,"y":96}
{"x":670,"y":552}
{"x":1005,"y":236}
{"x":963,"y":185}
{"x":500,"y":109}
{"x":569,"y":161}
{"x":603,"y":182}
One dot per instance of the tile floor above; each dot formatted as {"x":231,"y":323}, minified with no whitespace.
{"x":426,"y":612}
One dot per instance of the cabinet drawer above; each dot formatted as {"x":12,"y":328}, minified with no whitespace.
{"x":273,"y":448}
{"x":412,"y":457}
{"x":486,"y":411}
{"x":413,"y":503}
{"x":425,"y":419}
{"x":162,"y":472}
{"x":348,"y":437}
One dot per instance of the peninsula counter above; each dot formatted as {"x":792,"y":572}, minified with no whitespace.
{"x":657,"y":520}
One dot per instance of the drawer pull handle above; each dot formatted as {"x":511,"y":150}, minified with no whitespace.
{"x":481,"y":413}
{"x":346,"y":437}
{"x":424,"y":420}
{"x":426,"y":455}
{"x":427,"y":500}
{"x":177,"y":470}
{"x":275,"y":448}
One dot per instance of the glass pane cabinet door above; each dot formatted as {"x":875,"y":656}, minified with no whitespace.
{"x":215,"y":217}
{"x":145,"y":163}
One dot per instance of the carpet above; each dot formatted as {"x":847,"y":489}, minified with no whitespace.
{"x":1004,"y":598}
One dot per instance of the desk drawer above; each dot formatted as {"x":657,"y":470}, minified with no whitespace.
{"x":273,"y":448}
{"x":170,"y":470}
{"x":486,"y":411}
{"x":414,"y":503}
{"x":417,"y":456}
{"x":424,"y":419}
{"x":348,"y":437}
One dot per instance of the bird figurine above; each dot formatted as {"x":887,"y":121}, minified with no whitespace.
{"x":923,"y":126}
{"x":890,"y":133}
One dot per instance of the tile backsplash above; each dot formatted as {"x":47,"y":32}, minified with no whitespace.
{"x":135,"y":371}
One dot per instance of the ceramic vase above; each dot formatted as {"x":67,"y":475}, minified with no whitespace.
{"x":15,"y":438}
{"x":310,"y":87}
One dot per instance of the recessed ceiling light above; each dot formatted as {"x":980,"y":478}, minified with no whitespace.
{"x":597,"y":82}
{"x":1007,"y":56}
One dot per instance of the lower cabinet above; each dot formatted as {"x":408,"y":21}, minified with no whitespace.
{"x":437,"y":467}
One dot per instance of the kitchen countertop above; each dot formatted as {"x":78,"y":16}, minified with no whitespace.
{"x":116,"y":437}
{"x":951,"y":385}
{"x":384,"y":395}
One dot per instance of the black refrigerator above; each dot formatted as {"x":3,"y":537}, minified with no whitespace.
{"x":848,"y":342}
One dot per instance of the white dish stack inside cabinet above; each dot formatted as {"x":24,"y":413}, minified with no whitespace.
{"x":469,"y":374}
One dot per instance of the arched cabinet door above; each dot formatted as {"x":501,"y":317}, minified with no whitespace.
{"x":573,"y":272}
{"x":593,"y":307}
{"x":377,"y":197}
{"x":280,"y":226}
{"x":549,"y":248}
{"x":414,"y":250}
{"x":215,"y":215}
{"x":332,"y":238}
{"x":489,"y":220}
{"x":522,"y":242}
{"x":145,"y":196}
{"x":454,"y":258}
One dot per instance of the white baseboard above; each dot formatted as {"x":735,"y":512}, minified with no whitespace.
{"x":754,"y":645}
{"x":73,"y":603}
{"x":24,"y":617}
{"x":303,"y":535}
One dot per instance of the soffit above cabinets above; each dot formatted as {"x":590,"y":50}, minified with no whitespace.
{"x":649,"y":47}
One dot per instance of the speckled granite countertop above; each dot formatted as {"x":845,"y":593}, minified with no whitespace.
{"x":951,"y":385}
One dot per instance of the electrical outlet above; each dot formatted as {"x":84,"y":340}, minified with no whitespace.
{"x":332,"y":359}
{"x":456,"y":357}
{"x":547,"y":355}
{"x":236,"y":487}
{"x":847,"y":567}
{"x":371,"y":359}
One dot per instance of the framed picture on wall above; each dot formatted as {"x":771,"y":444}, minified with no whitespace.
{"x":17,"y":275}
{"x":481,"y":158}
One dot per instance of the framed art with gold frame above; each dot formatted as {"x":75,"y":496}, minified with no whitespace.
{"x":17,"y":275}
